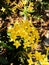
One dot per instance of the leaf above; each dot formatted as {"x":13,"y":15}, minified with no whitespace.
{"x":3,"y":44}
{"x":3,"y":60}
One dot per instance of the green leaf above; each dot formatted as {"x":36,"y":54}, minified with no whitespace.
{"x":3,"y":60}
{"x":3,"y":44}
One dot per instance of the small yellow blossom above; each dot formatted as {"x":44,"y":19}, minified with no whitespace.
{"x":30,"y":54}
{"x":30,"y":61}
{"x":17,"y":44}
{"x":34,"y":46}
{"x":47,"y":48}
{"x":36,"y":63}
{"x":13,"y":35}
{"x":30,"y":8}
{"x":14,"y":9}
{"x":45,"y":61}
{"x":31,"y":4}
{"x":39,"y":56}
{"x":24,"y":2}
{"x":27,"y":44}
{"x":3,"y":9}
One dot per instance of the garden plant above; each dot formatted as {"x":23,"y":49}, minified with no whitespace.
{"x":24,"y":32}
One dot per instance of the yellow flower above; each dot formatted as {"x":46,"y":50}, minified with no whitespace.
{"x":3,"y":9}
{"x":13,"y":35}
{"x":45,"y":61}
{"x":30,"y":61}
{"x":36,"y":63}
{"x":14,"y":9}
{"x":47,"y":48}
{"x":31,"y":4}
{"x":24,"y":2}
{"x":30,"y":54}
{"x":23,"y":33}
{"x":17,"y":44}
{"x":39,"y":56}
{"x":34,"y":46}
{"x":10,"y":29}
{"x":30,"y":8}
{"x":27,"y":44}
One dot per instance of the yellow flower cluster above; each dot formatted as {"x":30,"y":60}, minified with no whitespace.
{"x":25,"y":30}
{"x":41,"y":59}
{"x":30,"y":7}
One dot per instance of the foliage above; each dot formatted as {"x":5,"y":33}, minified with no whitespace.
{"x":24,"y":7}
{"x":19,"y":40}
